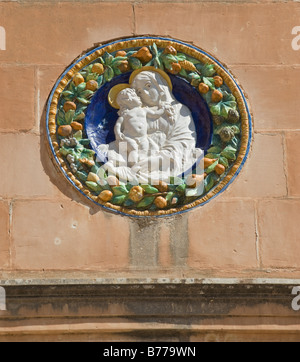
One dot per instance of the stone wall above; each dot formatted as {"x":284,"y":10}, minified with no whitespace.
{"x":50,"y":234}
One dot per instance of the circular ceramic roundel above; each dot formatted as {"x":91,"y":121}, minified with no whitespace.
{"x":148,"y":126}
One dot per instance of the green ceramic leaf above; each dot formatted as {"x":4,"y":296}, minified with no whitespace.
{"x":78,"y":135}
{"x":92,"y":76}
{"x":72,"y":87}
{"x":82,"y":175}
{"x":234,"y":142}
{"x":120,"y":190}
{"x":181,"y":188}
{"x":69,"y":116}
{"x":225,"y":108}
{"x":81,"y":87}
{"x":212,"y":155}
{"x":154,"y":50}
{"x":68,"y":95}
{"x":236,"y":129}
{"x":209,"y":81}
{"x":64,"y":151}
{"x":216,"y":140}
{"x":211,"y":168}
{"x":86,"y":93}
{"x":208,"y":183}
{"x":228,"y":154}
{"x":117,"y":61}
{"x":223,"y":161}
{"x":116,"y":70}
{"x":214,"y":149}
{"x":180,"y":57}
{"x":61,"y":121}
{"x":83,"y":101}
{"x":194,"y":78}
{"x":183,"y":73}
{"x":192,"y":60}
{"x":229,"y":149}
{"x":157,"y":63}
{"x":118,"y":200}
{"x":149,"y":189}
{"x":79,"y":116}
{"x":206,"y":70}
{"x":93,"y":186}
{"x":128,"y":202}
{"x":85,"y":141}
{"x":100,"y":80}
{"x":108,"y":74}
{"x":87,"y":153}
{"x":169,"y":197}
{"x":146,"y":201}
{"x":215,"y":109}
{"x":107,"y":58}
{"x":95,"y":168}
{"x":168,"y":59}
{"x":134,"y":63}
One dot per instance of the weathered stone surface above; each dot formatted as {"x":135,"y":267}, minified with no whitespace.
{"x":4,"y":235}
{"x":53,"y":33}
{"x":182,"y":312}
{"x":238,"y":33}
{"x":293,"y":165}
{"x":263,"y":174}
{"x":17,"y":95}
{"x":63,"y":235}
{"x":279,"y":233}
{"x":222,"y":236}
{"x":21,"y":168}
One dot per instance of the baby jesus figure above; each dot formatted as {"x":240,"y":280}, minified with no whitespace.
{"x":131,"y":126}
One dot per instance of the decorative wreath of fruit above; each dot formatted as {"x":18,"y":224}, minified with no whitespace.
{"x":230,"y":124}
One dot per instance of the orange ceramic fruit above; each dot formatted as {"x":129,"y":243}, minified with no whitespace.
{"x":76,"y":126}
{"x":98,"y":68}
{"x":203,"y":88}
{"x":216,"y":96}
{"x":218,"y":81}
{"x":144,"y":55}
{"x":78,"y":79}
{"x":136,"y":193}
{"x":120,"y":53}
{"x":92,"y":85}
{"x":105,"y":195}
{"x":160,"y":202}
{"x":175,"y":69}
{"x":208,"y":161}
{"x":124,"y":66}
{"x":69,"y":105}
{"x":170,"y":50}
{"x":64,"y":131}
{"x":162,"y":186}
{"x":220,"y":169}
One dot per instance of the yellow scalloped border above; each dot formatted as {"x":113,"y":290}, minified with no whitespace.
{"x":161,"y":43}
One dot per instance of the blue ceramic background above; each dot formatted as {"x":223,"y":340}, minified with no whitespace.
{"x":101,"y":116}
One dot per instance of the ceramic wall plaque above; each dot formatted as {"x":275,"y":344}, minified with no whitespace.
{"x":148,"y":126}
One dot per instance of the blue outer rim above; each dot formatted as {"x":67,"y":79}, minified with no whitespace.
{"x":158,"y":38}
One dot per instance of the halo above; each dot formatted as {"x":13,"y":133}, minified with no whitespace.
{"x":152,"y":69}
{"x":113,"y":93}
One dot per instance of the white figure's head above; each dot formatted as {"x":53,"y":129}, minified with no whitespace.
{"x":128,"y":99}
{"x":152,"y":88}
